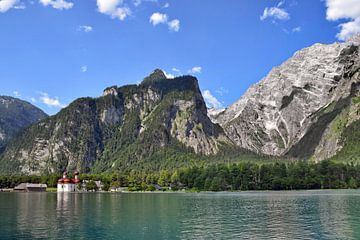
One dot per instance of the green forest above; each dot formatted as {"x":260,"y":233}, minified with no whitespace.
{"x":243,"y":176}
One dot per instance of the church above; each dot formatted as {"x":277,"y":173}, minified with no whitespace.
{"x":66,"y":184}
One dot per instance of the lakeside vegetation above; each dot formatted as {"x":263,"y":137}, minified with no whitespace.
{"x":221,"y":177}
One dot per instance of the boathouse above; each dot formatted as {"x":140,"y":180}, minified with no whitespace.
{"x":30,"y":187}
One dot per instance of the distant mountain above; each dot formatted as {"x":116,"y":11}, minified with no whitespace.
{"x":15,"y":115}
{"x":303,"y":108}
{"x":159,"y":123}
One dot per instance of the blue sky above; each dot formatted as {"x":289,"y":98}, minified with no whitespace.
{"x":54,"y":51}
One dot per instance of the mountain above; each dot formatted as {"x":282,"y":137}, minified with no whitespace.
{"x":15,"y":115}
{"x":302,"y":109}
{"x":158,"y":123}
{"x":306,"y":108}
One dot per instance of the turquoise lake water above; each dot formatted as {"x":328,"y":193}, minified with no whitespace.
{"x":245,"y":215}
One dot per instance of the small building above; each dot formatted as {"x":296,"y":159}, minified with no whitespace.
{"x":117,"y":189}
{"x":66,"y":184}
{"x":30,"y":187}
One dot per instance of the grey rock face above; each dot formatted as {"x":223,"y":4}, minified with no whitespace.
{"x":276,"y":113}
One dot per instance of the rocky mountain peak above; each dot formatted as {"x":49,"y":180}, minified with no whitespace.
{"x":156,"y":76}
{"x":110,"y":91}
{"x":281,"y":110}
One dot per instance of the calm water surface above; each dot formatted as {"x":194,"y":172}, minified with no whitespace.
{"x":249,"y":215}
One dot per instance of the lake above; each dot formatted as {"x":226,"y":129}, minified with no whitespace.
{"x":244,"y":215}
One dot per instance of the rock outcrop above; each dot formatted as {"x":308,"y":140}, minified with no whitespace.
{"x":291,"y":111}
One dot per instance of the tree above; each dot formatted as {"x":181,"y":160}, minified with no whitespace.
{"x":91,"y":186}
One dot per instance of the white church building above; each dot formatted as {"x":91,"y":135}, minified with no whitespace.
{"x":66,"y":184}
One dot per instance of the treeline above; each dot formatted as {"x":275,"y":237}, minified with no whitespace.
{"x":224,"y":177}
{"x":13,"y":181}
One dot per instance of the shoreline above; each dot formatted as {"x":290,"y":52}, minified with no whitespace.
{"x":9,"y":190}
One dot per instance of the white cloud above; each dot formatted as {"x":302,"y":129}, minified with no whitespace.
{"x":51,"y":102}
{"x":296,"y":29}
{"x":84,"y":68}
{"x":16,"y":94}
{"x":174,"y":25}
{"x":113,"y":8}
{"x":33,"y":100}
{"x":157,"y":18}
{"x":5,"y":5}
{"x":337,"y":9}
{"x":195,"y":69}
{"x":275,"y":13}
{"x":166,"y":5}
{"x":57,"y":4}
{"x":161,"y":18}
{"x":344,"y":9}
{"x":211,"y":101}
{"x":139,"y":2}
{"x":349,"y":29}
{"x":85,"y":28}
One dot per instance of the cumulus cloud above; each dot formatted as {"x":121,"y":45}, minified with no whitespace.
{"x":84,"y":68}
{"x":195,"y":69}
{"x":85,"y":28}
{"x":211,"y":101}
{"x":51,"y":102}
{"x":166,"y":5}
{"x":344,"y":9}
{"x":276,"y":13}
{"x":57,"y":4}
{"x":174,"y":25}
{"x":157,"y":18}
{"x":5,"y":5}
{"x":161,"y":18}
{"x":113,"y":8}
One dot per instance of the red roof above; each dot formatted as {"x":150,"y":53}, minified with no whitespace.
{"x":75,"y":180}
{"x":67,"y":180}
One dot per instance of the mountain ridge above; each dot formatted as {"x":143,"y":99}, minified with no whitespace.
{"x":306,"y":108}
{"x":125,"y":126}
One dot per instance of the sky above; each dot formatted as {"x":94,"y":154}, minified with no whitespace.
{"x":55,"y":51}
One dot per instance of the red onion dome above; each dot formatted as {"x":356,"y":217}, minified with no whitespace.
{"x":66,"y":180}
{"x":61,"y":180}
{"x":76,"y":181}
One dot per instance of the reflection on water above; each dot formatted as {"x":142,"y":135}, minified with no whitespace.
{"x":249,"y":215}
